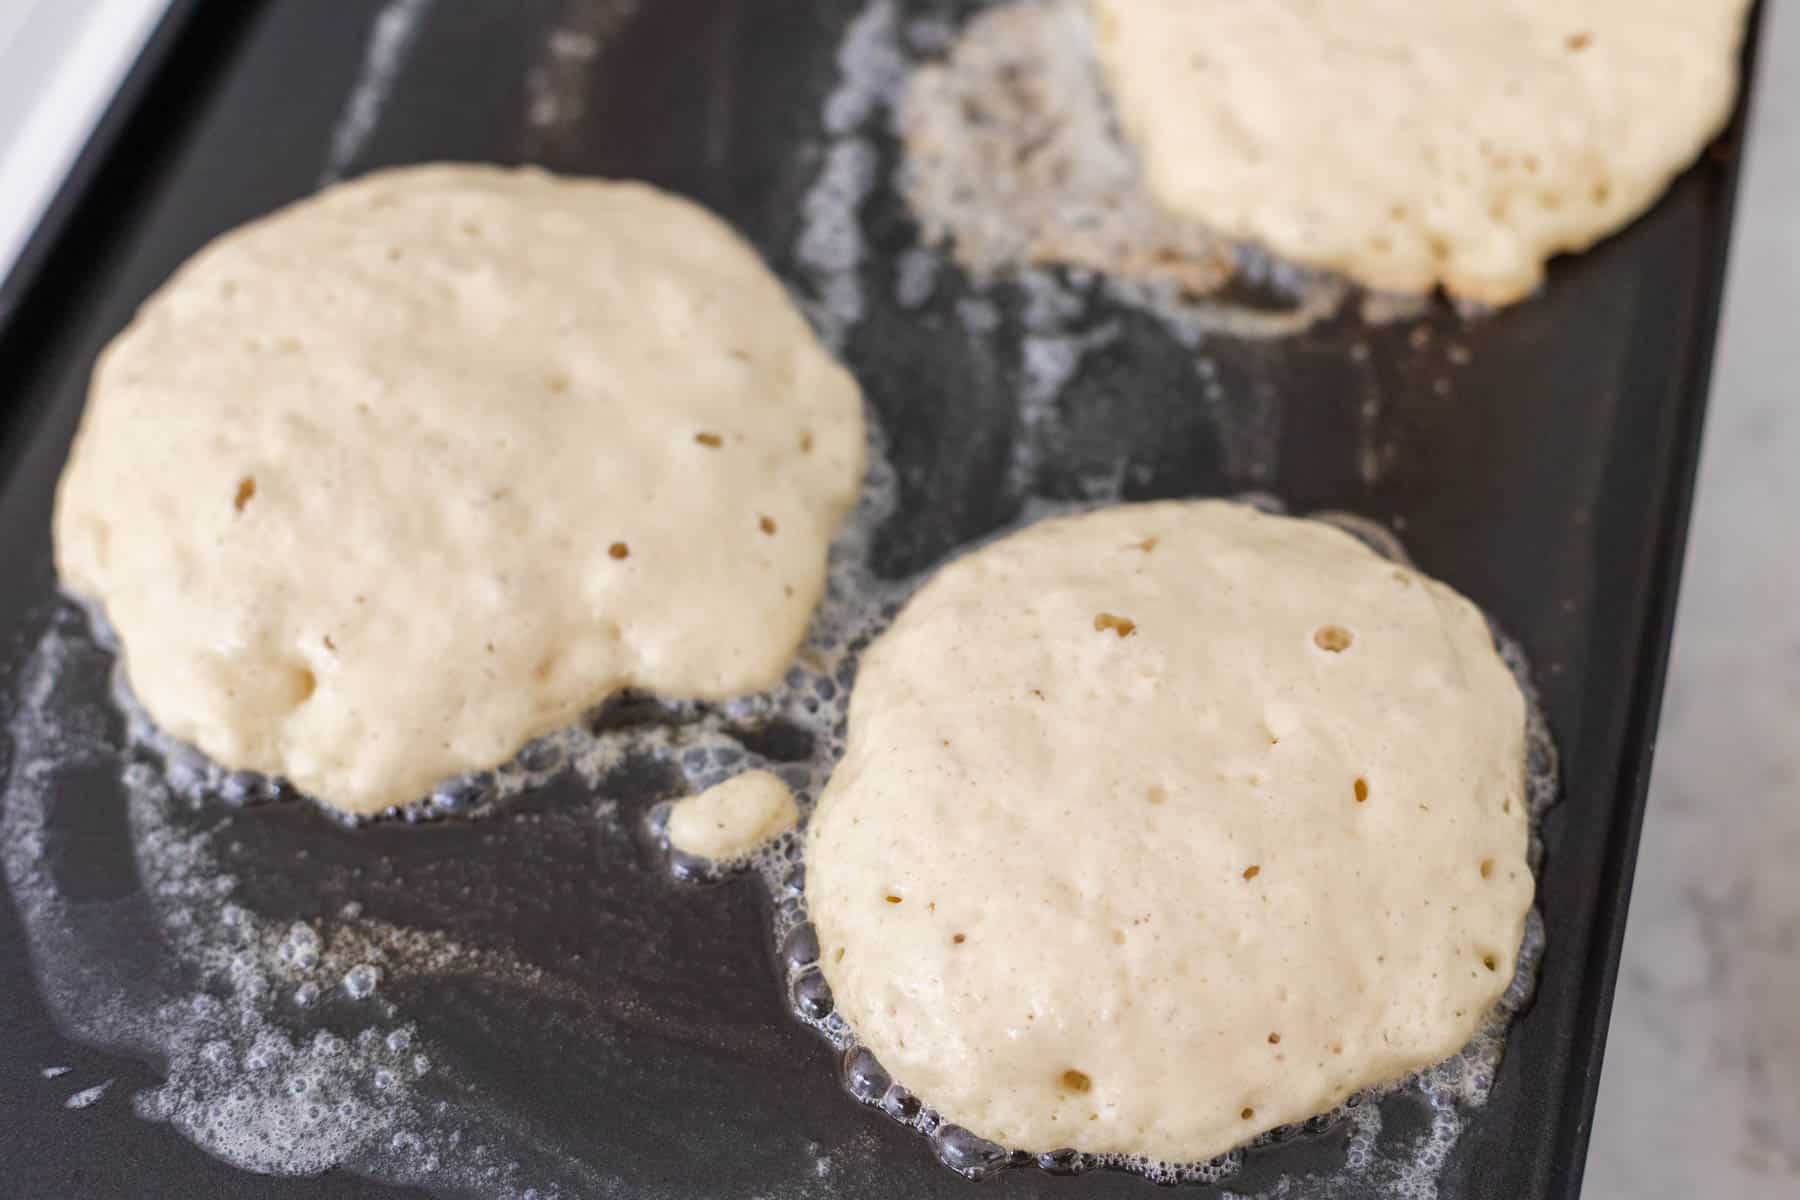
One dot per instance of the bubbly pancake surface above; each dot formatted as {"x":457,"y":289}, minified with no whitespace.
{"x":1164,"y":825}
{"x":379,"y":487}
{"x":1460,"y":142}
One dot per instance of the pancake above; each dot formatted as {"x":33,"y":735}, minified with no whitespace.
{"x":380,"y":487}
{"x":1459,"y":143}
{"x":1165,"y":825}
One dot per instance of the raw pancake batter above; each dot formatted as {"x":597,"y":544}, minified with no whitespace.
{"x":378,"y":488}
{"x":731,"y":819}
{"x":1168,"y":824}
{"x":1409,"y":144}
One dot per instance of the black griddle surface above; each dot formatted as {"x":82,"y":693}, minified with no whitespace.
{"x":1551,"y":485}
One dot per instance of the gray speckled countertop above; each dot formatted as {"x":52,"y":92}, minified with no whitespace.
{"x":1701,"y":1092}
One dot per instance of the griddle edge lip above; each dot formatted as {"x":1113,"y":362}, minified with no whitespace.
{"x":1588,"y":1037}
{"x":97,"y":153}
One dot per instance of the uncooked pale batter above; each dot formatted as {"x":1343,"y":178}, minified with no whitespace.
{"x":380,"y":487}
{"x":733,"y":818}
{"x":1457,"y":142}
{"x":1168,"y":824}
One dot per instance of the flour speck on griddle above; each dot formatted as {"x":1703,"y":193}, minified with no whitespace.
{"x":88,"y":1097}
